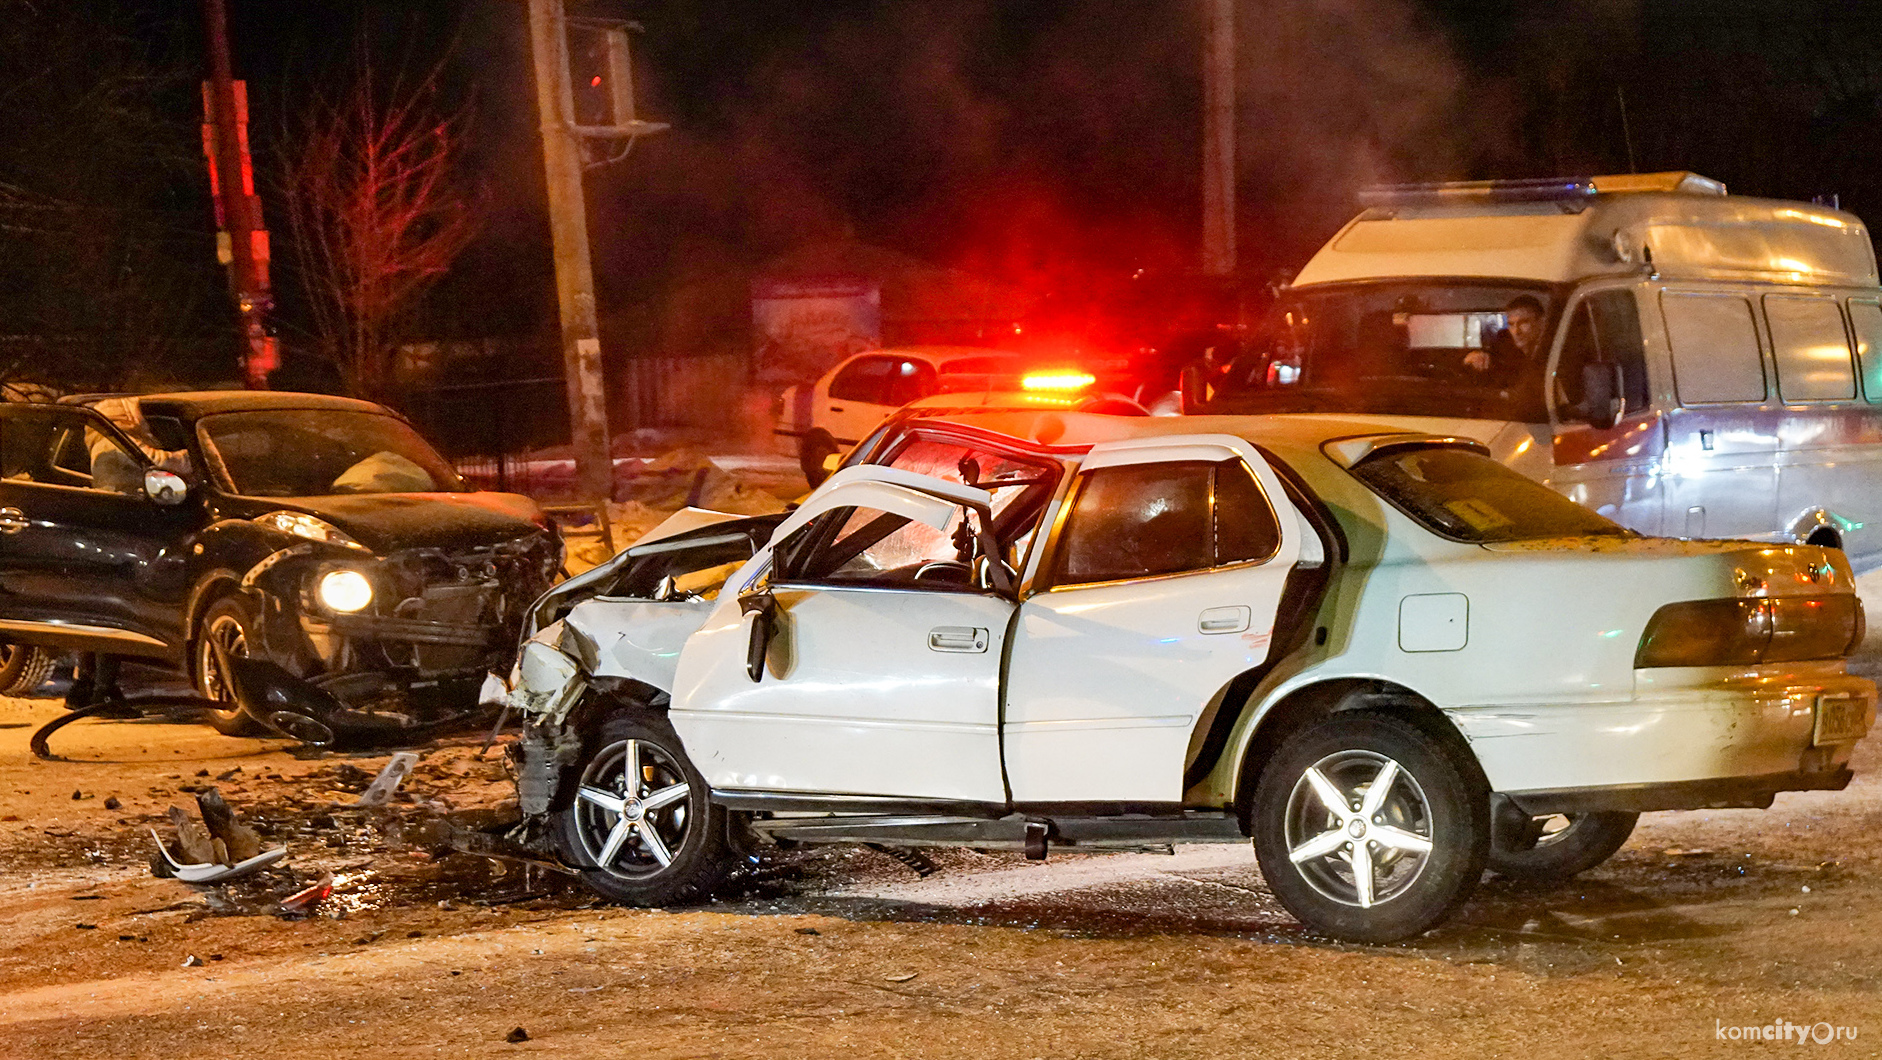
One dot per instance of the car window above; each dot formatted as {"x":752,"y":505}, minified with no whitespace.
{"x":1603,"y":329}
{"x":1866,"y":321}
{"x":321,"y":452}
{"x":1811,"y":347}
{"x":1141,"y":520}
{"x":865,"y":380}
{"x":868,"y":546}
{"x":1020,"y":488}
{"x":1466,"y":496}
{"x":1715,"y":347}
{"x":59,"y":447}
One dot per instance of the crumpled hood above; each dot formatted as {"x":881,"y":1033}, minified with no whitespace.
{"x":390,"y":522}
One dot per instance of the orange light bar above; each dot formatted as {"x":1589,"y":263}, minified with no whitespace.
{"x":1058,"y":381}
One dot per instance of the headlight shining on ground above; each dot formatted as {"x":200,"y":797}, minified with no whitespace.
{"x":345,"y":591}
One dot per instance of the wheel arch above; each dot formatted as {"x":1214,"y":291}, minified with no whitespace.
{"x":1302,"y":705}
{"x":209,"y":588}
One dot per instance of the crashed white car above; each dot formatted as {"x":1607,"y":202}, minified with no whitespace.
{"x":1387,"y":658}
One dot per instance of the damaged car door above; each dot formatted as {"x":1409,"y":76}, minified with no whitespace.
{"x":866,"y":660}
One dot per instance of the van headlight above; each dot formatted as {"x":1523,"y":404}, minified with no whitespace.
{"x":1749,"y":632}
{"x":344,"y":591}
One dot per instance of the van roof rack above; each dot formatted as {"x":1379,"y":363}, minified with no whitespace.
{"x":1547,"y":189}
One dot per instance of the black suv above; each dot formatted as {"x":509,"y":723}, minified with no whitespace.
{"x":320,"y":536}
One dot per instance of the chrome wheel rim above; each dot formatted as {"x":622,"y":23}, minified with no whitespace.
{"x":1358,"y":828}
{"x":632,"y":808}
{"x":228,"y":632}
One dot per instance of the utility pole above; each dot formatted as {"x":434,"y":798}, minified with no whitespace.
{"x":574,"y":275}
{"x":1218,"y":138}
{"x":238,"y":210}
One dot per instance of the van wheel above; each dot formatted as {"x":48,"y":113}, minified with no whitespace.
{"x":23,"y":668}
{"x":230,"y":622}
{"x":638,"y":819}
{"x":811,"y":454}
{"x":1542,"y":849}
{"x":1369,"y":829}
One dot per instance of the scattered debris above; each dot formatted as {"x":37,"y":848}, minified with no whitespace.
{"x":516,"y":1035}
{"x":1697,"y":852}
{"x":379,"y":792}
{"x":192,"y":961}
{"x":808,"y":931}
{"x":86,"y":927}
{"x":112,"y":803}
{"x":222,"y":848}
{"x":81,"y":796}
{"x":902,"y":978}
{"x":302,"y":903}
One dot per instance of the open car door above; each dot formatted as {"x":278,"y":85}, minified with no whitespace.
{"x":1159,"y":586}
{"x":875,"y":671}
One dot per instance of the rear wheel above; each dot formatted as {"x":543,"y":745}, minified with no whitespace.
{"x":230,"y":622}
{"x":1368,"y":828}
{"x":638,"y":819}
{"x":1541,"y":849}
{"x":23,"y":668}
{"x":816,"y":448}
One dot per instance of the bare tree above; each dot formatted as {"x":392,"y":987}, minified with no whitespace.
{"x":378,"y":215}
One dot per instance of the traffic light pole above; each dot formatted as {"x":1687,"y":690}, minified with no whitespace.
{"x":1218,"y":138}
{"x":574,"y":274}
{"x":237,"y":203}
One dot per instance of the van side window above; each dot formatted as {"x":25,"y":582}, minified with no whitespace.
{"x":1715,"y":347}
{"x":1867,"y":319}
{"x":1604,"y":329}
{"x":1811,"y":348}
{"x":866,"y":381}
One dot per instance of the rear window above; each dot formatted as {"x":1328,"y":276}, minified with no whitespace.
{"x":1466,"y":496}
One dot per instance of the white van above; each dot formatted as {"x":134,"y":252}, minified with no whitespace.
{"x":1688,"y":363}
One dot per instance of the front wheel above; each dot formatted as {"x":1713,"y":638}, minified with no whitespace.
{"x":23,"y":668}
{"x":230,"y":622}
{"x":638,"y":819}
{"x":1369,"y":829}
{"x":1545,"y":849}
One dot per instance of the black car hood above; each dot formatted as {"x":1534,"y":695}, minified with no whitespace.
{"x":389,"y":522}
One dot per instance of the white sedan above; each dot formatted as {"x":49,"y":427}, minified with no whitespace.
{"x":1389,"y":660}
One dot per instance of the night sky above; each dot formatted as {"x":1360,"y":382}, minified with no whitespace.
{"x":1041,"y":142}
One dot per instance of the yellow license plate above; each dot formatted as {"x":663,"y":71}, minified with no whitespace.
{"x":1840,"y":719}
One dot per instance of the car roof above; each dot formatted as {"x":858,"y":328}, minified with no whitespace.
{"x":939,"y":354}
{"x":190,"y":405}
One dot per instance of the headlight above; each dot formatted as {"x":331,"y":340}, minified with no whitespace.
{"x":300,"y":524}
{"x":345,"y":591}
{"x":1751,"y":632}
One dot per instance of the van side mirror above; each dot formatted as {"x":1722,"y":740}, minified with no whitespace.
{"x":1603,"y":399}
{"x":165,"y":487}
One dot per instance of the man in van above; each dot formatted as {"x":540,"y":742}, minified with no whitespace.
{"x":1515,"y":345}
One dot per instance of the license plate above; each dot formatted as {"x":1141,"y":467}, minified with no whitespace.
{"x":1839,"y":720}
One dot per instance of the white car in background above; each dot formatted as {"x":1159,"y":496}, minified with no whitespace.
{"x":1385,"y":657}
{"x":843,"y":407}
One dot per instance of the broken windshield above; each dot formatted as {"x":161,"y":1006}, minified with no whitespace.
{"x":320,"y":452}
{"x":1407,"y":348}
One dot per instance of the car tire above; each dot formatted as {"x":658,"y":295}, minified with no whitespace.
{"x":23,"y":668}
{"x":232,"y":622}
{"x":671,"y":847}
{"x":1584,"y":841}
{"x":1429,"y":830}
{"x":815,"y":448}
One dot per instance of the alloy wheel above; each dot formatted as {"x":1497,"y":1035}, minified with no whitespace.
{"x":228,"y":632}
{"x":1358,"y":828}
{"x":631,"y":808}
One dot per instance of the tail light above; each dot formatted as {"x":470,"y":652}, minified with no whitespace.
{"x":1749,"y":632}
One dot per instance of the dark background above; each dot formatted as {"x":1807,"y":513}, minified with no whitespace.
{"x":1051,"y":144}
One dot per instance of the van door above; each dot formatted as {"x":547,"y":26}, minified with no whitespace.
{"x":1720,"y":465}
{"x":1611,"y":468}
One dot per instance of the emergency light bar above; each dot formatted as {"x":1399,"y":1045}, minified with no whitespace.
{"x":1549,"y":189}
{"x":1057,"y":381}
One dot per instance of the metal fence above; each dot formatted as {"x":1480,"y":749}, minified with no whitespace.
{"x":499,"y":435}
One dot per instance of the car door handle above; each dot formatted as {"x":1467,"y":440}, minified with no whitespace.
{"x":12,"y":520}
{"x":957,"y":638}
{"x":1224,"y":620}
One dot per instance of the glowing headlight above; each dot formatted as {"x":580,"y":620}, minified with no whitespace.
{"x":345,"y":591}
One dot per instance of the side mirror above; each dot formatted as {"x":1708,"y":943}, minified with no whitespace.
{"x":1603,"y":395}
{"x":165,"y":487}
{"x":763,"y":607}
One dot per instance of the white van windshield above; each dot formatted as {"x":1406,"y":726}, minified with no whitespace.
{"x":1406,"y":348}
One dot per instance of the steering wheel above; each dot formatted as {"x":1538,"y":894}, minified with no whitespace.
{"x":948,"y":570}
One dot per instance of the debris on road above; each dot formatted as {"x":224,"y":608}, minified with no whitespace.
{"x":221,"y":848}
{"x":379,"y":792}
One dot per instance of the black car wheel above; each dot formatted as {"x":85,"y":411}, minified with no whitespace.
{"x":230,"y":622}
{"x":1370,"y":829}
{"x":23,"y":668}
{"x":815,"y":448}
{"x":1542,"y":849}
{"x":638,"y":818}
